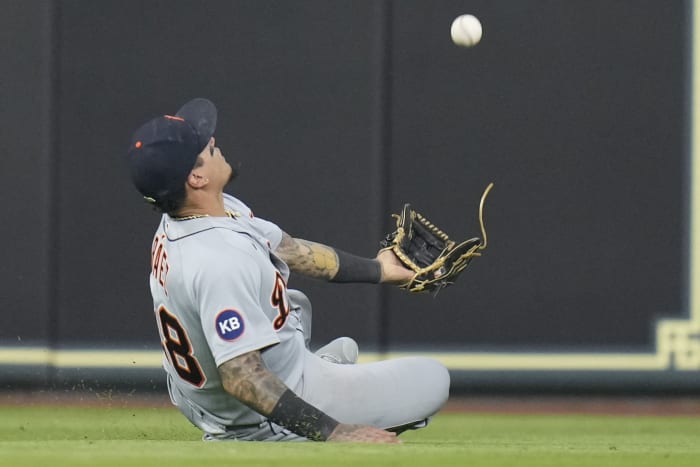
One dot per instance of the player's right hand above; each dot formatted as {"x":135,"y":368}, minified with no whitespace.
{"x":362,"y":434}
{"x":393,"y":270}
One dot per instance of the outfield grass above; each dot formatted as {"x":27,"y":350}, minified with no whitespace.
{"x":89,"y":436}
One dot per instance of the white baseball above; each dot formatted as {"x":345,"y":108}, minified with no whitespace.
{"x":466,"y":30}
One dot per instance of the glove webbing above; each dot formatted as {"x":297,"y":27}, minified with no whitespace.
{"x":437,"y":265}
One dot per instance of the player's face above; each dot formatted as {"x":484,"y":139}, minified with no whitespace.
{"x":214,"y":164}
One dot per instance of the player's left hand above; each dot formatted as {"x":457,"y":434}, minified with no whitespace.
{"x":393,"y":270}
{"x":362,"y":434}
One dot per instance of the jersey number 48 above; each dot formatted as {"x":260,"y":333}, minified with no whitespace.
{"x":178,"y":348}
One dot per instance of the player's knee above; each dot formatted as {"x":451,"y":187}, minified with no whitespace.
{"x":443,"y":382}
{"x":438,"y":379}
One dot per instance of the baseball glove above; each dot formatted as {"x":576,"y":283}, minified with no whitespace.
{"x":429,"y":252}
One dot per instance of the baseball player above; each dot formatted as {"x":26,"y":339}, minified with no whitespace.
{"x":235,"y":337}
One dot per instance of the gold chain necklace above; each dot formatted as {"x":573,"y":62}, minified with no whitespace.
{"x":231,"y":214}
{"x":187,"y":218}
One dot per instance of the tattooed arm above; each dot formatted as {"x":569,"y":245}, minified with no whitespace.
{"x":324,"y":262}
{"x":308,"y":258}
{"x":247,"y":379}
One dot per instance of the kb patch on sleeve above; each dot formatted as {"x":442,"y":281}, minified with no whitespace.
{"x":230,"y":325}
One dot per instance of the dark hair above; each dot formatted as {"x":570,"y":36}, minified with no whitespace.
{"x":172,"y":203}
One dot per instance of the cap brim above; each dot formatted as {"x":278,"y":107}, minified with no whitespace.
{"x":200,"y":113}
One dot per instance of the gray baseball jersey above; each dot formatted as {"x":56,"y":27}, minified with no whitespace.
{"x":219,"y":291}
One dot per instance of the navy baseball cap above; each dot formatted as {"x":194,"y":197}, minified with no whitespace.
{"x":164,"y":150}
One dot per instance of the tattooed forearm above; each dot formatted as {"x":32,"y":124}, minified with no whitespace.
{"x":246,"y":378}
{"x":308,"y":258}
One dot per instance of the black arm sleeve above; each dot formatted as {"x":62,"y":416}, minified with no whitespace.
{"x":353,"y":268}
{"x":302,"y":418}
